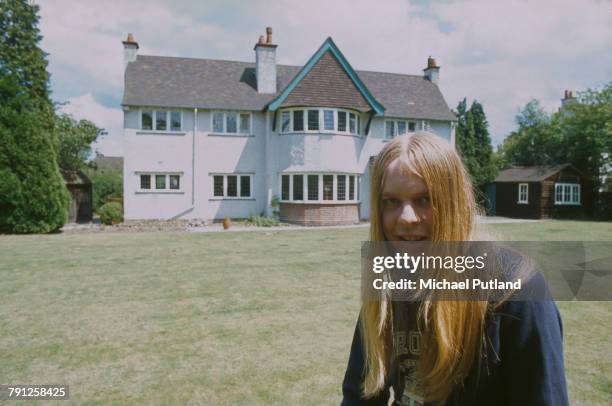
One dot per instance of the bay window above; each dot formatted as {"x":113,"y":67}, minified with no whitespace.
{"x":324,"y":187}
{"x":320,"y":120}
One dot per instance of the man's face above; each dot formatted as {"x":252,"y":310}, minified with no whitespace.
{"x":406,"y":209}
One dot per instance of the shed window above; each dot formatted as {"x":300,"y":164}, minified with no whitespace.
{"x":523,"y":193}
{"x":567,"y":193}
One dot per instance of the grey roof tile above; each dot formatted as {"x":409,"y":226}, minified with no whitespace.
{"x":214,"y":84}
{"x":529,"y":173}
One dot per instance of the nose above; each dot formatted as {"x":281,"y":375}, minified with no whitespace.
{"x":409,"y":216}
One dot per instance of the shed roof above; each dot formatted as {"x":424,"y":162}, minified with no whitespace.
{"x":529,"y":173}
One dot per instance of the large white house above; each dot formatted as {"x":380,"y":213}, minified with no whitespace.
{"x":206,"y":139}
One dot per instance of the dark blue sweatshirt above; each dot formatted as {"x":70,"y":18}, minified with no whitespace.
{"x":523,"y":363}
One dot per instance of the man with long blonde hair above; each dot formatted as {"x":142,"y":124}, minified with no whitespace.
{"x":460,"y":352}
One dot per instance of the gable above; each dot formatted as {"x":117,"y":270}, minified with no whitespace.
{"x":327,"y":84}
{"x":328,"y":47}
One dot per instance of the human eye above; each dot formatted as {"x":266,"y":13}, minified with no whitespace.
{"x":390,"y":202}
{"x":423,"y":200}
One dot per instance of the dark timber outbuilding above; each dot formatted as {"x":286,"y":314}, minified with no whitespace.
{"x":551,"y":191}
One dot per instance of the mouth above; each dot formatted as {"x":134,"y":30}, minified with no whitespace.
{"x":412,"y":238}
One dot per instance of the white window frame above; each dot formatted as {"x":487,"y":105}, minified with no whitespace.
{"x":153,"y":183}
{"x":238,"y":190}
{"x":321,"y":130}
{"x":522,"y":186}
{"x":347,"y":177}
{"x":224,"y":121}
{"x":154,"y":112}
{"x":395,"y":122}
{"x":571,"y":187}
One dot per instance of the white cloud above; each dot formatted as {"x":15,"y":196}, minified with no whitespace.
{"x":502,"y":53}
{"x":109,"y":119}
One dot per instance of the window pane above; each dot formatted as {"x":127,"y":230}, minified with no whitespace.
{"x":575,"y":194}
{"x":232,"y":186}
{"x":230,"y":123}
{"x":245,"y":186}
{"x":411,"y":126}
{"x":328,"y":120}
{"x":313,"y":187}
{"x":298,"y":187}
{"x":352,"y":123}
{"x":558,"y":193}
{"x":175,"y":182}
{"x":341,"y":187}
{"x":285,"y":187}
{"x":147,"y":120}
{"x":328,"y":187}
{"x":218,"y":123}
{"x":175,"y":121}
{"x":351,"y":188}
{"x":218,"y":185}
{"x":285,"y":121}
{"x":160,"y":181}
{"x":160,"y":121}
{"x":358,"y":124}
{"x":342,"y":121}
{"x":566,"y":193}
{"x":145,"y":181}
{"x":298,"y":120}
{"x":313,"y":120}
{"x":401,"y":127}
{"x":389,"y":129}
{"x":245,"y":123}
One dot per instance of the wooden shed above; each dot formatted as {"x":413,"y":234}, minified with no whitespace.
{"x":535,"y":192}
{"x":79,"y":186}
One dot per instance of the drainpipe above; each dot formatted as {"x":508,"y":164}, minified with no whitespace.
{"x":195,"y":129}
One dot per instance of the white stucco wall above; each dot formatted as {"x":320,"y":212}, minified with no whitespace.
{"x":265,"y":154}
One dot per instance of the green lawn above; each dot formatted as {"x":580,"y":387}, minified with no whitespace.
{"x":223,"y":318}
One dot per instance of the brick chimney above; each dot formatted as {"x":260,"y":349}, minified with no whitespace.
{"x":265,"y":63}
{"x":130,"y":49}
{"x":432,"y":71}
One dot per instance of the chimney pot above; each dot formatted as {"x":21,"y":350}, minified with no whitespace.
{"x":268,"y":35}
{"x":261,"y":39}
{"x":130,"y":38}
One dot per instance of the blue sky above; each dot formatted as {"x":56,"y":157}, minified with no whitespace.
{"x":501,"y":53}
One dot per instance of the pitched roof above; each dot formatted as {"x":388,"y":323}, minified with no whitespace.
{"x":330,"y":72}
{"x":529,"y":173}
{"x":158,"y":81}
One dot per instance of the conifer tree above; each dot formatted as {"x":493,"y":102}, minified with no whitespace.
{"x":33,"y":197}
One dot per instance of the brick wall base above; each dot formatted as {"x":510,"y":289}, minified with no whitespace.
{"x":320,"y":214}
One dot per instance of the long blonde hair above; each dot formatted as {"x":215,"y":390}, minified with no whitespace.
{"x":451,"y":331}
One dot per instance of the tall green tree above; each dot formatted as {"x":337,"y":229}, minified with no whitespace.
{"x":33,"y":197}
{"x":536,"y":141}
{"x":474,"y":142}
{"x":74,"y":139}
{"x":586,"y":130}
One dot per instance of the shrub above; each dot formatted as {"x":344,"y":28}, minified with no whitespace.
{"x":105,"y":186}
{"x":261,"y":221}
{"x":111,"y":213}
